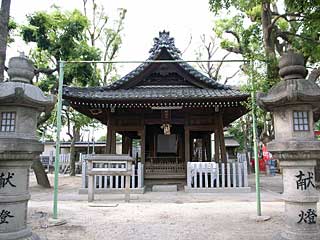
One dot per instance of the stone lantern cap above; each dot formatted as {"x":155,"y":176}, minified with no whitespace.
{"x":19,"y":90}
{"x":293,"y":88}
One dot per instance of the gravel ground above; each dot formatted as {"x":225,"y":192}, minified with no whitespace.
{"x":156,"y":215}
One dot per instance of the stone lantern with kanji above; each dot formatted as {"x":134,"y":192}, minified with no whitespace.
{"x":293,"y":102}
{"x":21,"y":104}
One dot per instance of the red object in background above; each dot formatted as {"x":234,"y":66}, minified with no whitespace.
{"x":317,"y":133}
{"x":262,"y":164}
{"x":265,"y":153}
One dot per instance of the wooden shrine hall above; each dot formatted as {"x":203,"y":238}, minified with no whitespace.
{"x":170,"y":108}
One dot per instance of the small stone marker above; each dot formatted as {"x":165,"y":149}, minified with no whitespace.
{"x":292,"y":102}
{"x":20,"y":106}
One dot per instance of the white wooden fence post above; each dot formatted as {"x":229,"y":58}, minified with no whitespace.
{"x":195,"y":177}
{"x":206,"y":175}
{"x":111,"y":181}
{"x":228,"y":175}
{"x":239,"y":174}
{"x":140,"y":170}
{"x":91,"y":185}
{"x":105,"y":181}
{"x":200,"y":175}
{"x":122,"y":178}
{"x":212,"y":175}
{"x":133,"y":176}
{"x":83,"y":170}
{"x":245,"y":173}
{"x":189,"y":173}
{"x":234,"y":179}
{"x":223,"y":175}
{"x":218,"y":176}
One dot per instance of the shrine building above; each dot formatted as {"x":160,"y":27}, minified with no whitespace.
{"x":169,"y":108}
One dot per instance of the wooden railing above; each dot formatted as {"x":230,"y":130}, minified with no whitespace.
{"x":211,"y":177}
{"x":110,"y":183}
{"x":164,"y":165}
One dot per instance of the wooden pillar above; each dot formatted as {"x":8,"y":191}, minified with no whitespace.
{"x":142,"y":134}
{"x":187,"y":144}
{"x":222,"y":143}
{"x":216,"y":144}
{"x":108,"y":140}
{"x":113,"y":142}
{"x":130,"y":148}
{"x":155,"y":142}
{"x":180,"y":146}
{"x":203,"y":148}
{"x":125,"y":144}
{"x":208,"y":146}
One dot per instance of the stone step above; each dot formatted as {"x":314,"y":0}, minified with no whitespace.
{"x":164,"y":188}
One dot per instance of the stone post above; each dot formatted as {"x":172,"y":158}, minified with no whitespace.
{"x":293,"y":102}
{"x":20,"y":106}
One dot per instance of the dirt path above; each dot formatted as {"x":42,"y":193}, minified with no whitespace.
{"x":161,"y":216}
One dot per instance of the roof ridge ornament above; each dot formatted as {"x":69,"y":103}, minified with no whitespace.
{"x":164,"y":41}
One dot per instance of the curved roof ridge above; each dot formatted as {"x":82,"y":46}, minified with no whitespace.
{"x":164,"y":41}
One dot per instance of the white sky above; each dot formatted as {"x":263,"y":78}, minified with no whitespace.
{"x":144,"y":19}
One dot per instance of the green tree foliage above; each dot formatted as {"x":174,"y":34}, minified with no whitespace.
{"x":58,"y":36}
{"x":64,"y":35}
{"x":261,"y":30}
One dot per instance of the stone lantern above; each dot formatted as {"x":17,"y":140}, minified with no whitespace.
{"x":293,"y":102}
{"x":21,"y":103}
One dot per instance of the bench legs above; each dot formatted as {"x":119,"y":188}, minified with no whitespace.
{"x":90,"y":188}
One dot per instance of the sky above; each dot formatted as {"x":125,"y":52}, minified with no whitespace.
{"x":184,"y":19}
{"x":144,"y":19}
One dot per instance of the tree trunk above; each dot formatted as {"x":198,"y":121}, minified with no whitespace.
{"x":4,"y":22}
{"x":76,"y":137}
{"x":42,"y":178}
{"x":268,"y":41}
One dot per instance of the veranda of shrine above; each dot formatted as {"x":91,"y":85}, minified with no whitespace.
{"x":166,"y":106}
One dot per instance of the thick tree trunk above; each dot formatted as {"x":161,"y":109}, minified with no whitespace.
{"x":42,"y":178}
{"x":269,"y":41}
{"x":4,"y":22}
{"x":76,"y":136}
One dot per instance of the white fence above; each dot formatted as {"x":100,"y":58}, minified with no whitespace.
{"x":217,"y":177}
{"x":113,"y":184}
{"x":48,"y":162}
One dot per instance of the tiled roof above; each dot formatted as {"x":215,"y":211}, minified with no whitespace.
{"x":117,"y":91}
{"x":152,"y":93}
{"x":165,"y":41}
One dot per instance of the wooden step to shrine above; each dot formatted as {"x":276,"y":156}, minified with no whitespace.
{"x":164,"y":188}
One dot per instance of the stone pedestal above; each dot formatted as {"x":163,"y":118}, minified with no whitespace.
{"x":293,"y":102}
{"x":20,"y":106}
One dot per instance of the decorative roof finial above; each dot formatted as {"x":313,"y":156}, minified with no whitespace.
{"x":164,"y":41}
{"x":291,"y":66}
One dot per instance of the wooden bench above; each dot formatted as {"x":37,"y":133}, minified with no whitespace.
{"x":111,"y":165}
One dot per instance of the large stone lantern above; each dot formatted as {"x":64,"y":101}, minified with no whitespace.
{"x":293,"y":102}
{"x":21,"y":103}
